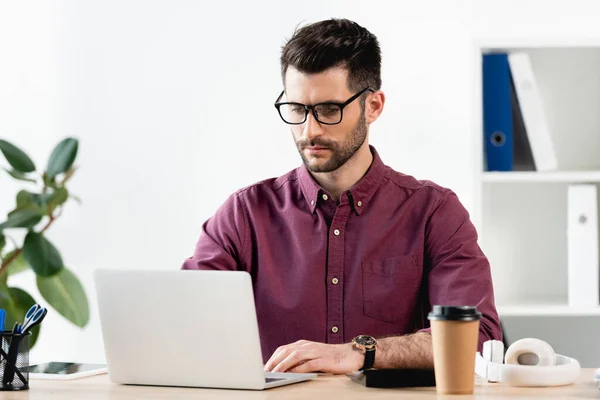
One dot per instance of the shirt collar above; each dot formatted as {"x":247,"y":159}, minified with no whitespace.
{"x":360,"y":194}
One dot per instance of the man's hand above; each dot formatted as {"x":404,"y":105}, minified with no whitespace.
{"x":306,"y":356}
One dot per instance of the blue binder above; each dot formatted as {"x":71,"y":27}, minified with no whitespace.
{"x":497,"y":113}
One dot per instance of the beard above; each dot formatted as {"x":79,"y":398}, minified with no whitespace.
{"x":341,"y":152}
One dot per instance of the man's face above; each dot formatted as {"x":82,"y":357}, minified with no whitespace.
{"x":325,"y":148}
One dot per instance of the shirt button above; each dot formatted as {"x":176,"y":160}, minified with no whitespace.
{"x":312,"y":202}
{"x":336,"y":232}
{"x":325,"y":197}
{"x":335,"y":281}
{"x":359,"y":203}
{"x":334,"y":329}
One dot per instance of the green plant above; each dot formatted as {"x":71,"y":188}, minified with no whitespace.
{"x":35,"y":212}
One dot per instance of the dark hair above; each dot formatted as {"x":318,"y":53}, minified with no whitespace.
{"x":335,"y":43}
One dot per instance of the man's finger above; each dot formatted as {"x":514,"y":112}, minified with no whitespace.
{"x":294,"y":359}
{"x":309,"y":366}
{"x":279,"y":355}
{"x":283,"y":351}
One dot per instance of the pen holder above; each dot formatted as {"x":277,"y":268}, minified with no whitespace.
{"x":14,"y":360}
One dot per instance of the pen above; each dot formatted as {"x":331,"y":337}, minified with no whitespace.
{"x":2,"y":318}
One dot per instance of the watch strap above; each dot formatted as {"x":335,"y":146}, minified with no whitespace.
{"x":369,"y":359}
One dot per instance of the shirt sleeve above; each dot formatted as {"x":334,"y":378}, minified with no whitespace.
{"x":459,"y":272}
{"x":223,"y":240}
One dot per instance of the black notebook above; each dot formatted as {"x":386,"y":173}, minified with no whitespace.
{"x":391,"y":378}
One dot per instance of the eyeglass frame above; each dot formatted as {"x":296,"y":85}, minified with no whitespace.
{"x":312,"y":108}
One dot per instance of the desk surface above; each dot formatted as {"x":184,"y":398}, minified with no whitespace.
{"x":325,"y":386}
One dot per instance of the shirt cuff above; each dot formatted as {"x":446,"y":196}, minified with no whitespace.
{"x":426,"y":330}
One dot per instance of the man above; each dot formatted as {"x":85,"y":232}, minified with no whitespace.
{"x":345,"y":246}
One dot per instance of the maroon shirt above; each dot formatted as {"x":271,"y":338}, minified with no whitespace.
{"x":372,"y":264}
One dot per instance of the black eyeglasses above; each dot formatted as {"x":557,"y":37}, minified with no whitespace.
{"x":326,"y":113}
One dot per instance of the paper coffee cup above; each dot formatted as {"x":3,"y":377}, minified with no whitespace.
{"x":454,"y":333}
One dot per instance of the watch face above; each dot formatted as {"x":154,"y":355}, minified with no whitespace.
{"x":366,"y":340}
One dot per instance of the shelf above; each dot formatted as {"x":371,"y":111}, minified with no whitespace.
{"x":502,"y":44}
{"x":558,"y":310}
{"x":552,"y":177}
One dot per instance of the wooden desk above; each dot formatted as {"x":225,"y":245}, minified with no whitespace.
{"x":324,"y":387}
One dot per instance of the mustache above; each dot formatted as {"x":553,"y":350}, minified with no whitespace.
{"x":302,"y":144}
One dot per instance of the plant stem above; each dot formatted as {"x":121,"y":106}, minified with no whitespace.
{"x":50,"y":222}
{"x":9,"y":260}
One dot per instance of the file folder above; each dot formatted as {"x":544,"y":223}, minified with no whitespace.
{"x":534,"y":115}
{"x":523,"y":156}
{"x":582,"y":232}
{"x":497,"y":113}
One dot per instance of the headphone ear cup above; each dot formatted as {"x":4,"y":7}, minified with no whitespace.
{"x":493,"y":351}
{"x":530,"y":351}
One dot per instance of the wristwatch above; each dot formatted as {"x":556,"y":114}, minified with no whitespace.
{"x":366,"y":344}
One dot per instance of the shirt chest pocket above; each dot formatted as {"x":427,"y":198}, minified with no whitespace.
{"x":391,"y":287}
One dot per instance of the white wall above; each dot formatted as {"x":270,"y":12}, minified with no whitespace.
{"x":150,"y":89}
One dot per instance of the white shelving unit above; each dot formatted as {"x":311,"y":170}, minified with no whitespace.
{"x":533,"y":177}
{"x":547,"y":310}
{"x":522,"y":216}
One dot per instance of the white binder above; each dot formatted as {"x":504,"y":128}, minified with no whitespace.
{"x":582,"y":238}
{"x":534,"y":117}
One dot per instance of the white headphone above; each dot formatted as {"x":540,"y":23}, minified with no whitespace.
{"x":527,"y":362}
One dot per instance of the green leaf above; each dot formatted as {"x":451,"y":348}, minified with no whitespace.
{"x":50,"y":182}
{"x":26,"y":217}
{"x":16,"y":157}
{"x":17,"y":265}
{"x":24,"y":198}
{"x":3,"y":279}
{"x":58,"y":197}
{"x":16,"y":302}
{"x":66,"y":295}
{"x":62,"y":157}
{"x":41,"y":255}
{"x":19,"y":175}
{"x":55,"y":198}
{"x":7,"y":304}
{"x":2,"y":242}
{"x":42,"y":201}
{"x":22,"y":302}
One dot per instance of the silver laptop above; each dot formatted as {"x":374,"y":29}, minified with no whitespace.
{"x":183,"y":328}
